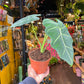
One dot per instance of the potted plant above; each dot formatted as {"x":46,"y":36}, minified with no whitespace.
{"x":53,"y":61}
{"x":61,"y":41}
{"x":76,"y":12}
{"x":82,"y":46}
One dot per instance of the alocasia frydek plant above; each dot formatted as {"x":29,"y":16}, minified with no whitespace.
{"x":61,"y":40}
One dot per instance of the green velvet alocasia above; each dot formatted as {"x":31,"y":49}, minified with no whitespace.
{"x":61,"y":40}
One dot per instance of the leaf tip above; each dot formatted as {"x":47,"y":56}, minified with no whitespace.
{"x":71,"y":64}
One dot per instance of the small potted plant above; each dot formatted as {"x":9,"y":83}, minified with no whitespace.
{"x":61,"y":41}
{"x":53,"y":61}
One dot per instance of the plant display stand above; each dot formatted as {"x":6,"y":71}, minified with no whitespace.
{"x":82,"y":75}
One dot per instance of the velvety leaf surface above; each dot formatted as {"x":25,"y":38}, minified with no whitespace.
{"x":26,"y":20}
{"x":61,"y":40}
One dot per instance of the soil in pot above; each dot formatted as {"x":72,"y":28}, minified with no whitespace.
{"x":39,"y":61}
{"x":38,"y":56}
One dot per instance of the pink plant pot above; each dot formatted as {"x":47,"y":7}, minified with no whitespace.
{"x":77,"y":58}
{"x":78,"y":72}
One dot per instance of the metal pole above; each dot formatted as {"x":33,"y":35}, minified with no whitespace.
{"x":24,"y":61}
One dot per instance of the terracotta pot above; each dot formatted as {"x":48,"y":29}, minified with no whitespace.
{"x":38,"y":66}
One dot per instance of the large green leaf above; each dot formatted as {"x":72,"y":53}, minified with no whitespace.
{"x":61,"y":40}
{"x":26,"y":20}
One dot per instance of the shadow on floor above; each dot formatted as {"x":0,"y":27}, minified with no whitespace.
{"x":63,"y":74}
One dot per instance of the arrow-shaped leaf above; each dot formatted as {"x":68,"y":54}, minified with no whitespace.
{"x":61,"y":40}
{"x":26,"y":20}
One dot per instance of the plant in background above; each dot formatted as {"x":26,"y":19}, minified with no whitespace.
{"x":79,"y":27}
{"x":82,"y":45}
{"x":82,"y":17}
{"x":71,"y":30}
{"x":68,"y":7}
{"x":76,"y":11}
{"x":61,"y":40}
{"x":80,"y":5}
{"x":74,"y":42}
{"x":53,"y":60}
{"x":30,"y":32}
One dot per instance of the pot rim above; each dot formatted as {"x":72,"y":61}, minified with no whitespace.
{"x":36,"y":60}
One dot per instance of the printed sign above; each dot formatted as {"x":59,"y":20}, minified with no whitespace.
{"x":3,"y":14}
{"x":17,"y":39}
{"x":10,"y":19}
{"x":3,"y":46}
{"x":1,"y":66}
{"x":4,"y":30}
{"x":5,"y":60}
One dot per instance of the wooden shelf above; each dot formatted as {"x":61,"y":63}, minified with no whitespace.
{"x":75,"y":61}
{"x":79,"y":66}
{"x":78,"y":50}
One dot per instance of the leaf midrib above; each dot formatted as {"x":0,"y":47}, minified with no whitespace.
{"x":65,"y":45}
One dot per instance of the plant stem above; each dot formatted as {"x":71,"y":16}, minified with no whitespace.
{"x":45,"y":47}
{"x":42,"y":47}
{"x":36,"y":35}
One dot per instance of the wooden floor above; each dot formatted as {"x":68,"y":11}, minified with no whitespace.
{"x":63,"y":74}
